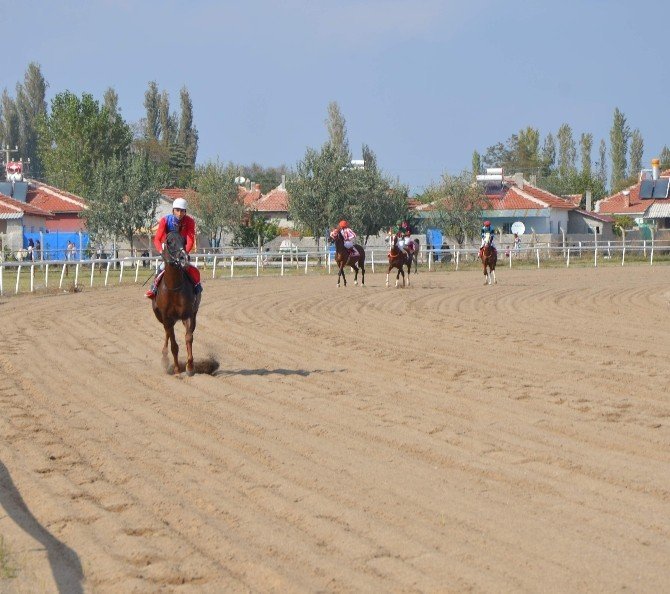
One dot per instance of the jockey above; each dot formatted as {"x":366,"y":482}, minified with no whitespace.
{"x":347,"y":235}
{"x":185,"y":225}
{"x":487,"y":228}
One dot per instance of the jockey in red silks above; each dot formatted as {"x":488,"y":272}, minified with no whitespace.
{"x":185,"y":225}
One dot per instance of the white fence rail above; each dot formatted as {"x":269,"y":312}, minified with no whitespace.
{"x":30,"y":276}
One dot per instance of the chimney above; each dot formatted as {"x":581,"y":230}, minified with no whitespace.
{"x":626,"y":198}
{"x":655,"y":168}
{"x":518,"y":180}
{"x":257,"y":186}
{"x":589,"y":204}
{"x":283,"y":181}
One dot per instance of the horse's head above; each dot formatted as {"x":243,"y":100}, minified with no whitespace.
{"x":488,"y":238}
{"x":174,"y":252}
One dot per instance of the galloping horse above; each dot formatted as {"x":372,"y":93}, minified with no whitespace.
{"x":489,"y":258}
{"x":397,"y":259}
{"x":413,"y":253}
{"x":176,"y":300}
{"x":344,"y":258}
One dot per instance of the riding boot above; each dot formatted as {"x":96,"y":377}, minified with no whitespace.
{"x":151,"y":293}
{"x":197,"y":289}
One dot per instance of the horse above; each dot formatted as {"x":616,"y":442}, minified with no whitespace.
{"x":489,"y":258}
{"x":176,"y":300}
{"x":398,"y":258}
{"x":413,"y":253}
{"x":344,"y":258}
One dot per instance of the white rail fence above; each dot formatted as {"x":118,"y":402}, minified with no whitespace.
{"x":32,"y":276}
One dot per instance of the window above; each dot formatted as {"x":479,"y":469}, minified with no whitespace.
{"x":507,"y":228}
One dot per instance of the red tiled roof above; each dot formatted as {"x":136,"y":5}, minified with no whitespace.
{"x":249,"y":197}
{"x":174,"y":193}
{"x":631,"y":204}
{"x":52,"y":199}
{"x":574,"y":199}
{"x":11,"y":208}
{"x":274,"y":201}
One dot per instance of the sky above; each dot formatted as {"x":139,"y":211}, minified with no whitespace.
{"x":423,"y":83}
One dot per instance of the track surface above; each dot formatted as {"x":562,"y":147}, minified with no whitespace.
{"x":445,"y":437}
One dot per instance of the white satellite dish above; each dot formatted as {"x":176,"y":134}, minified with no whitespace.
{"x":519,"y":228}
{"x":240,"y":180}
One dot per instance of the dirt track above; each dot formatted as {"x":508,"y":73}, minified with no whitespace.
{"x":445,"y":437}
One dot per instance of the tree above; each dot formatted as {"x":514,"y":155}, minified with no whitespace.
{"x":528,"y":150}
{"x":375,"y":202}
{"x":31,"y":107}
{"x":619,"y":136}
{"x":458,"y":204}
{"x":76,"y":137}
{"x":337,"y":132}
{"x":152,"y":129}
{"x":215,"y":200}
{"x":476,"y":164}
{"x":123,"y":198}
{"x":496,"y":156}
{"x":602,"y":163}
{"x":566,"y":150}
{"x":665,"y":158}
{"x":548,"y":154}
{"x":636,"y":153}
{"x":9,"y":133}
{"x":585,"y":145}
{"x":168,"y":125}
{"x":267,"y":177}
{"x":257,"y":232}
{"x":187,"y":135}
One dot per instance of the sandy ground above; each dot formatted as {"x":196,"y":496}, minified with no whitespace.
{"x":445,"y":437}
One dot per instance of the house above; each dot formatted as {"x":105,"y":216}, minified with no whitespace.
{"x":646,"y":202}
{"x":272,"y":206}
{"x":512,"y":199}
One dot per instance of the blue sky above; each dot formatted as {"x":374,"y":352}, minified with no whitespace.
{"x":422,"y":82}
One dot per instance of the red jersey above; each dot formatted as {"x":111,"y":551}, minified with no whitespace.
{"x":186,"y":228}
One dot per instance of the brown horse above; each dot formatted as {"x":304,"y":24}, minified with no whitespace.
{"x":398,"y":258}
{"x":176,"y":300}
{"x":412,"y":250}
{"x":344,"y":258}
{"x":489,"y":257}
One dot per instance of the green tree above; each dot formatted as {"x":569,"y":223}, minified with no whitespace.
{"x":76,"y":137}
{"x":337,"y":132}
{"x":601,"y":165}
{"x":567,"y":151}
{"x":187,"y":136}
{"x":585,"y":146}
{"x":476,"y":164}
{"x":256,"y":233}
{"x":548,"y":154}
{"x":123,"y":197}
{"x":152,"y":128}
{"x":458,"y":206}
{"x":9,"y":132}
{"x":215,"y":200}
{"x":665,"y":158}
{"x":619,"y":136}
{"x":31,"y":107}
{"x":636,"y":153}
{"x":268,"y":177}
{"x":528,"y":158}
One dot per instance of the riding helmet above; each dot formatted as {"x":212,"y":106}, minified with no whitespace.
{"x":179,"y":203}
{"x":343,"y":224}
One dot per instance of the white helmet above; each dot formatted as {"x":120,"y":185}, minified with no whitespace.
{"x":179,"y":203}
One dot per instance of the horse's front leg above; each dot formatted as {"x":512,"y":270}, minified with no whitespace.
{"x":165,"y":349}
{"x":189,"y":324}
{"x":344,"y":276}
{"x":355,"y":267}
{"x":169,"y":330}
{"x":387,"y":275}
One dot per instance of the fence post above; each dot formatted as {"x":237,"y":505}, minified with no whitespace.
{"x":644,"y":247}
{"x":232,"y":266}
{"x":62,"y":275}
{"x":92,"y":271}
{"x":2,"y":270}
{"x":109,"y":264}
{"x":537,"y":251}
{"x":509,"y":252}
{"x":137,"y":269}
{"x":623,"y":255}
{"x":568,"y":260}
{"x":580,"y":249}
{"x":258,"y":264}
{"x":458,"y":255}
{"x":306,"y":257}
{"x":372,"y":262}
{"x":32,"y":278}
{"x":18,"y":275}
{"x":430,"y":260}
{"x":282,"y":264}
{"x":121,"y":272}
{"x":214,"y":267}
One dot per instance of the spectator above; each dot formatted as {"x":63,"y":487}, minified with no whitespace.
{"x":38,"y":249}
{"x":31,"y":249}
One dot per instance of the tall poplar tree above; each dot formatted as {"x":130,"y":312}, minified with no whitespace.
{"x":9,"y":133}
{"x":31,"y":108}
{"x":665,"y":158}
{"x":476,"y":164}
{"x":548,"y":154}
{"x":567,"y":151}
{"x":601,"y":174}
{"x":636,"y":154}
{"x":152,"y":128}
{"x":619,"y":136}
{"x":585,"y":146}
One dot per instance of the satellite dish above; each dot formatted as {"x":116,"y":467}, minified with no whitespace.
{"x":240,"y":180}
{"x":519,"y":228}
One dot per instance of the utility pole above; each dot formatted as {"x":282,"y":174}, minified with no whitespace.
{"x":7,"y":150}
